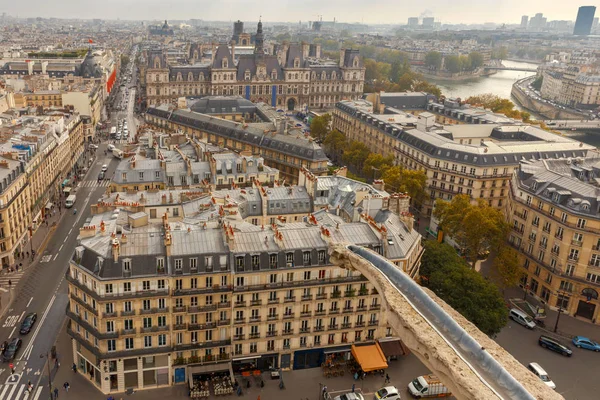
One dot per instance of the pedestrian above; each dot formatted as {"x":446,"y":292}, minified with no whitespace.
{"x":9,"y":283}
{"x":56,"y":363}
{"x":74,"y":367}
{"x":356,"y":376}
{"x":387,"y":378}
{"x":353,"y":385}
{"x":27,"y":254}
{"x":55,"y":393}
{"x":17,"y":267}
{"x":324,"y":391}
{"x":364,"y":375}
{"x":66,"y":386}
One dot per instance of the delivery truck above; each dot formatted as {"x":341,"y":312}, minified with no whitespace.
{"x":428,"y":386}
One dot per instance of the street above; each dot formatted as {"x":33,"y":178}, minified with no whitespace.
{"x":41,"y":288}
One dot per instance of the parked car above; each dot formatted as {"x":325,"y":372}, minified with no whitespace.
{"x":104,"y":168}
{"x":554,"y":345}
{"x":350,"y":396}
{"x":11,"y":350}
{"x":521,"y":317}
{"x":27,"y":323}
{"x":387,"y":393}
{"x":101,"y":176}
{"x":585,"y":343}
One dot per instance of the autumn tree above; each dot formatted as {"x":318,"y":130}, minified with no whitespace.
{"x":355,"y":155}
{"x":452,"y":64}
{"x":433,"y":59}
{"x":464,"y":289}
{"x":334,"y":143}
{"x":475,"y":227}
{"x":497,"y":104}
{"x":412,"y":182}
{"x":376,"y":164}
{"x":506,"y":268}
{"x":319,"y":126}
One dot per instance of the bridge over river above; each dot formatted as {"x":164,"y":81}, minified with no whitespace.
{"x":503,"y":68}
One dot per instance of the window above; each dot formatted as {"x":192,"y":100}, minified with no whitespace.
{"x":306,"y":258}
{"x":111,"y":345}
{"x":581,"y":223}
{"x":108,"y":288}
{"x":147,"y":341}
{"x":127,"y":287}
{"x":146,"y":285}
{"x":272,"y":261}
{"x":127,"y":265}
{"x":178,"y":264}
{"x":161,"y":284}
{"x":160,"y":263}
{"x":109,"y":308}
{"x":147,"y":322}
{"x":128,"y":343}
{"x":289,"y":259}
{"x":110,"y":326}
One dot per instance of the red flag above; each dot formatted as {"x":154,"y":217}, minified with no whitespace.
{"x":91,"y":41}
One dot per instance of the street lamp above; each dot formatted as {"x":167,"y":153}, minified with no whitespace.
{"x":47,"y":355}
{"x":560,"y":293}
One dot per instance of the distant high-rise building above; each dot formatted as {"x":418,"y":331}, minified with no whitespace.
{"x":538,"y":22}
{"x":428,"y":22}
{"x":585,"y":19}
{"x":413,"y":22}
{"x":524,"y":21}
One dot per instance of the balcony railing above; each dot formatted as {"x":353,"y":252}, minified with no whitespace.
{"x":271,"y":333}
{"x":320,"y":312}
{"x":346,"y":325}
{"x":254,"y":335}
{"x":239,"y":337}
{"x":129,"y":313}
{"x":361,"y":308}
{"x":373,"y":322}
{"x":223,"y":322}
{"x":240,"y":304}
{"x":308,"y":297}
{"x":375,"y":307}
{"x":293,"y":284}
{"x":178,"y":309}
{"x":321,"y":296}
{"x":255,"y":302}
{"x":304,"y":330}
{"x":126,"y":332}
{"x":287,"y":332}
{"x":179,"y":327}
{"x":289,"y":299}
{"x":333,"y":327}
{"x":359,"y":324}
{"x":334,"y":311}
{"x":319,"y":328}
{"x":240,"y":321}
{"x":288,"y":315}
{"x":272,"y":317}
{"x":305,"y":313}
{"x":225,"y":304}
{"x":348,"y":310}
{"x":148,"y":311}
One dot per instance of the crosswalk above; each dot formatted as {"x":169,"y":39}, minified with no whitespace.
{"x":14,"y":278}
{"x":95,"y":183}
{"x":19,"y":392}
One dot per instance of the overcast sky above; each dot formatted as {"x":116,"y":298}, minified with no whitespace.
{"x":372,"y":12}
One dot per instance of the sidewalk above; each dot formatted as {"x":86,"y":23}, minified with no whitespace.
{"x":300,"y":384}
{"x":567,"y":326}
{"x":39,"y":241}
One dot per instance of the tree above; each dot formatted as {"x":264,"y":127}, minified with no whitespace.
{"x":452,"y":64}
{"x":356,"y":155}
{"x":424,"y":86}
{"x":477,"y":228}
{"x":475,"y":60}
{"x":398,"y":69}
{"x":464,"y":289}
{"x":499,"y":53}
{"x":376,"y":164}
{"x":497,"y":105}
{"x":506,"y":268}
{"x":412,"y":182}
{"x":537,"y":82}
{"x":433,"y":59}
{"x":124,"y":60}
{"x":319,"y":126}
{"x":334,"y":143}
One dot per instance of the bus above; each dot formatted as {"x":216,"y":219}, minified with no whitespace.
{"x":113,"y":131}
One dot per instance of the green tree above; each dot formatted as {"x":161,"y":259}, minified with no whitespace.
{"x":376,"y":164}
{"x":398,"y":69}
{"x":319,"y":126}
{"x":433,"y":59}
{"x":475,"y":60}
{"x":477,"y":228}
{"x":334,"y":143}
{"x":506,"y":268}
{"x":355,"y":155}
{"x":537,"y":82}
{"x":452,"y":64}
{"x":464,"y":289}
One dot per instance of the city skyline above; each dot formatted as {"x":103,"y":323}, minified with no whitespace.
{"x":461,"y":12}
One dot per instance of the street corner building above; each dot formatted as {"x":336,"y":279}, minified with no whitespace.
{"x":554,"y":212}
{"x":165,"y":286}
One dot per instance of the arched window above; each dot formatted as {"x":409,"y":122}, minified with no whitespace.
{"x":190,"y":76}
{"x":296,"y":62}
{"x":224,"y":63}
{"x":355,"y":62}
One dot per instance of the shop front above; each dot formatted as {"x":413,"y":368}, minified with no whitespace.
{"x":369,"y":357}
{"x":314,"y":358}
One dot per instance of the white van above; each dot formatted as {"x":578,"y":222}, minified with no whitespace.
{"x":542,"y":374}
{"x":521,"y":317}
{"x":111,"y":147}
{"x":70,"y":201}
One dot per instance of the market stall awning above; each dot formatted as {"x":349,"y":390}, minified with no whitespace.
{"x":49,"y":206}
{"x":369,"y":357}
{"x":393,"y":348}
{"x":67,"y":189}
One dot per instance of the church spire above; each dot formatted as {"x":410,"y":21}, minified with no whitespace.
{"x":259,"y":39}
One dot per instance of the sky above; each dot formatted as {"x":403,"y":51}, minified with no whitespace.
{"x":369,"y":12}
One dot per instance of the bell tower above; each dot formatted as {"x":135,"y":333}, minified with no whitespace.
{"x":259,"y":40}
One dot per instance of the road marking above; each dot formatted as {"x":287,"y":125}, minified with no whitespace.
{"x":37,"y":394}
{"x":54,"y":259}
{"x":4,"y":392}
{"x":20,"y":391}
{"x":12,"y":332}
{"x":37,"y":372}
{"x":13,"y":389}
{"x":22,"y":314}
{"x":46,"y":258}
{"x":29,"y":302}
{"x":29,"y":347}
{"x":60,"y":248}
{"x":66,"y":237}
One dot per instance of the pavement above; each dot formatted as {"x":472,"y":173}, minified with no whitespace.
{"x":300,"y":384}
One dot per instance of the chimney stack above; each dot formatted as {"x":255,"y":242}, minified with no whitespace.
{"x":115,"y":249}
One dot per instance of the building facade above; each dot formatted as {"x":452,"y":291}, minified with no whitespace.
{"x":290,"y":80}
{"x":155,"y":302}
{"x":476,"y":159}
{"x":554,"y":214}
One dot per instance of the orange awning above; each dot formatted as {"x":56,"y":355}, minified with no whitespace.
{"x":369,"y":357}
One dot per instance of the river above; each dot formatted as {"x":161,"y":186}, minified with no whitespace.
{"x":500,"y":83}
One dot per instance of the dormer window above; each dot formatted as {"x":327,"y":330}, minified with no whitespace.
{"x":224,"y":63}
{"x":355,"y":62}
{"x":556,"y":197}
{"x":296,"y":62}
{"x":585,"y":207}
{"x":274,"y":74}
{"x":534,"y":186}
{"x":247,"y":75}
{"x":546,"y":193}
{"x":127,"y":265}
{"x":179,"y":77}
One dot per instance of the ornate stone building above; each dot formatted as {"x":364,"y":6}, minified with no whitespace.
{"x":290,"y":79}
